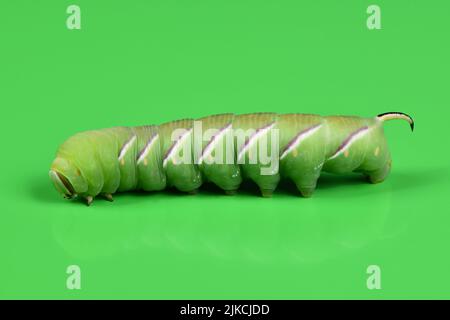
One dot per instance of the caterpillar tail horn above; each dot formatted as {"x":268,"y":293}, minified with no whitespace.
{"x":396,"y":115}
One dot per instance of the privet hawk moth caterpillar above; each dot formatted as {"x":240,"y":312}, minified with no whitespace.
{"x":228,"y":149}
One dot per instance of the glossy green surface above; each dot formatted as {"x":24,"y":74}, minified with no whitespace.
{"x":153,"y":61}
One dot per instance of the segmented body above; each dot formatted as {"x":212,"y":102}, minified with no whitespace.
{"x":128,"y":158}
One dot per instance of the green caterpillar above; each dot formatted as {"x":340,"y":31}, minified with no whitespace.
{"x":222,"y":149}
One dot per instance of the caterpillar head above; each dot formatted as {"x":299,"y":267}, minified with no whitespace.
{"x":67,"y":178}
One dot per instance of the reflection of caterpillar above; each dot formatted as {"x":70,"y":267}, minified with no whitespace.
{"x":147,"y":158}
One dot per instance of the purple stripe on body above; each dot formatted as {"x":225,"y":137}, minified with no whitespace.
{"x":149,"y":142}
{"x":214,"y":137}
{"x":299,"y":136}
{"x":255,"y":134}
{"x":349,"y":139}
{"x":125,"y":146}
{"x":175,"y":143}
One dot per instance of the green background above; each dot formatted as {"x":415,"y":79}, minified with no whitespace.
{"x":146,"y":62}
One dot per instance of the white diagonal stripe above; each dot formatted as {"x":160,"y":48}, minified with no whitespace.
{"x":253,"y":139}
{"x":301,"y":137}
{"x":355,"y":137}
{"x":126,"y":147}
{"x":179,"y":142}
{"x":210,"y":147}
{"x":147,"y":149}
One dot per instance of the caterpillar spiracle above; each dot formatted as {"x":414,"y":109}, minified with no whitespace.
{"x":223,"y":149}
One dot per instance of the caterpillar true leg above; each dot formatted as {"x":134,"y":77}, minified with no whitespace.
{"x":108,"y":197}
{"x":224,"y":150}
